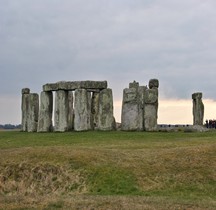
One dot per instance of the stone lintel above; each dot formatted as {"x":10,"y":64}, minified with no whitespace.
{"x":94,"y":90}
{"x":70,"y":86}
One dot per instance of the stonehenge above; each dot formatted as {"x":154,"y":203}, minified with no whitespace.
{"x":198,"y":109}
{"x":88,"y":105}
{"x":79,"y":106}
{"x":140,"y":107}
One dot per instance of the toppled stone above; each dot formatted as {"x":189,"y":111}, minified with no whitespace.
{"x":196,"y":128}
{"x":64,"y":85}
{"x":45,"y":113}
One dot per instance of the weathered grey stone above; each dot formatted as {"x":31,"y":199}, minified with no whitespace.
{"x":24,"y":108}
{"x":70,"y":111}
{"x":197,"y":96}
{"x":95,"y":108}
{"x":151,"y":96}
{"x":130,"y":95}
{"x":153,"y":83}
{"x":106,"y":121}
{"x":61,"y":111}
{"x":130,"y":110}
{"x":141,"y":98}
{"x":150,"y":117}
{"x":140,"y":107}
{"x":33,"y":111}
{"x":151,"y":109}
{"x":133,"y":107}
{"x":198,"y":109}
{"x":45,"y":112}
{"x":82,"y":110}
{"x":25,"y":91}
{"x":134,"y":84}
{"x":64,"y":85}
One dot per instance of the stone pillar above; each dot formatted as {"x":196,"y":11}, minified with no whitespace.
{"x":151,"y":106}
{"x":24,"y":108}
{"x":45,"y":113}
{"x":141,"y":98}
{"x":61,"y":111}
{"x":70,"y":111}
{"x":130,"y":110}
{"x":132,"y":107}
{"x":106,"y":121}
{"x":95,"y":108}
{"x":33,"y":111}
{"x":198,"y":109}
{"x":82,"y":110}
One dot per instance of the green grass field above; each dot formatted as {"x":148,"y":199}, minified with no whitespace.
{"x":107,"y":170}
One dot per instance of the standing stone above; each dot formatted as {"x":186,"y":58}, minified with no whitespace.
{"x":151,"y":106}
{"x":141,"y":98}
{"x":45,"y":113}
{"x":24,"y":107}
{"x":130,"y":110}
{"x":132,"y":107}
{"x":82,"y":110}
{"x":106,"y":121}
{"x":70,"y":111}
{"x":198,"y":109}
{"x":95,"y":108}
{"x":33,"y":111}
{"x":61,"y":111}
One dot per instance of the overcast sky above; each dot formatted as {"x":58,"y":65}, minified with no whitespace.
{"x":117,"y":40}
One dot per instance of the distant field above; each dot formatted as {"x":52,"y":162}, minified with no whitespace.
{"x":107,"y":170}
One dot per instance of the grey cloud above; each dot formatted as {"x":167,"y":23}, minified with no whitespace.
{"x":121,"y":41}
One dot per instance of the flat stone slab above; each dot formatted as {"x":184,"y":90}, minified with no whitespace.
{"x":68,"y":85}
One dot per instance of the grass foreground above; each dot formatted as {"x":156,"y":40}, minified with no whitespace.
{"x":107,"y":170}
